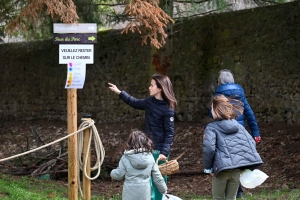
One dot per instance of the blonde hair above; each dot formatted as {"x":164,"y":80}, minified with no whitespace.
{"x":224,"y":108}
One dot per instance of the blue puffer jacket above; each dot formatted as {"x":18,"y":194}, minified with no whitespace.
{"x":228,"y":145}
{"x":159,"y":120}
{"x":237,"y":92}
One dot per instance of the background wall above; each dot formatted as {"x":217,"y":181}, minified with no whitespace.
{"x":260,"y":46}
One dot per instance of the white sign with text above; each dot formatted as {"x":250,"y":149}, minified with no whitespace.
{"x":80,"y":53}
{"x":75,"y":28}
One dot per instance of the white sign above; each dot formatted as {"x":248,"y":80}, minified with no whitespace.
{"x":75,"y":28}
{"x":83,"y":53}
{"x":76,"y":75}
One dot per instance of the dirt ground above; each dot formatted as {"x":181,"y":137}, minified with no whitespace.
{"x":279,"y":149}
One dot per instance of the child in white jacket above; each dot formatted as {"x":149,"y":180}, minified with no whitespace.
{"x":136,"y":167}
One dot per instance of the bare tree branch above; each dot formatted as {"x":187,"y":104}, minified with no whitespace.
{"x":271,"y":2}
{"x":102,"y":4}
{"x":195,"y":15}
{"x":192,"y":1}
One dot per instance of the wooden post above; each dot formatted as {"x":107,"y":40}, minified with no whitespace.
{"x":72,"y":145}
{"x":86,"y":189}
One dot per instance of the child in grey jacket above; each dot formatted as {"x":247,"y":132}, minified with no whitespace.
{"x":227,"y":148}
{"x":136,"y":167}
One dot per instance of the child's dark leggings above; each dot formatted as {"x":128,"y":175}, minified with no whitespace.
{"x":240,"y":189}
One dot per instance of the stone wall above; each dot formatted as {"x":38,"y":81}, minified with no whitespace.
{"x":260,"y":46}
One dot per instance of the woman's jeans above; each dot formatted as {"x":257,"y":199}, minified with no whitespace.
{"x":226,"y":184}
{"x":155,"y":194}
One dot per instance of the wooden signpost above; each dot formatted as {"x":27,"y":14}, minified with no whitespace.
{"x":74,"y":38}
{"x":76,"y":57}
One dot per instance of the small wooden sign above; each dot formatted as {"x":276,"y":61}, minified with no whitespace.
{"x":74,"y":38}
{"x":75,"y":28}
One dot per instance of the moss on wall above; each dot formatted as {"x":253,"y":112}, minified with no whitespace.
{"x":260,"y":47}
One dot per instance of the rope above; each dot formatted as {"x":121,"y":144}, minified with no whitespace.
{"x":46,"y":145}
{"x":100,"y":152}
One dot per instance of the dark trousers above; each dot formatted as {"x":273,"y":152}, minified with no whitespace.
{"x":240,"y":189}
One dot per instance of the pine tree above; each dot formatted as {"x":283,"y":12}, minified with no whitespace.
{"x":151,"y":18}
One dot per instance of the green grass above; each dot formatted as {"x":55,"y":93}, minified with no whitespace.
{"x":283,"y":194}
{"x":26,"y":188}
{"x":21,"y":188}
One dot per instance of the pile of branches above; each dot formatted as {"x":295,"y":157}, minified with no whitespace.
{"x":49,"y":160}
{"x":44,"y":165}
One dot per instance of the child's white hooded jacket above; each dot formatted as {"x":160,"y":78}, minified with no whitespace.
{"x":136,"y":169}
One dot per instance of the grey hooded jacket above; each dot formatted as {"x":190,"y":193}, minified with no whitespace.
{"x":136,"y":169}
{"x":228,"y":145}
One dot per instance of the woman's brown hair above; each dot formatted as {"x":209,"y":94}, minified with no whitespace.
{"x":138,"y":140}
{"x":224,"y":108}
{"x":163,"y":82}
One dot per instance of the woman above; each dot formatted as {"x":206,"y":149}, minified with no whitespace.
{"x":227,"y":148}
{"x":227,"y":87}
{"x":159,"y":117}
